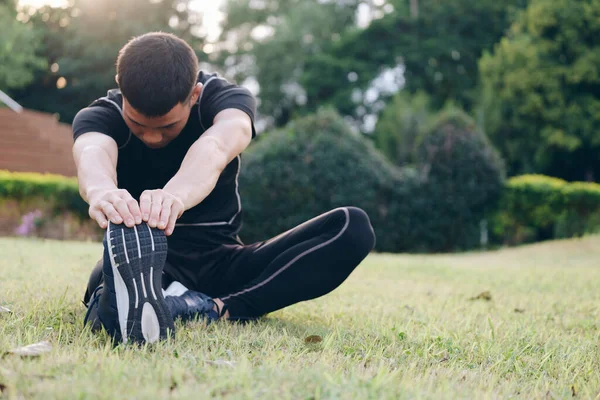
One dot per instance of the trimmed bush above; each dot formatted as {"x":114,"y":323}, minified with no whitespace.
{"x":314,"y":165}
{"x":462,"y":180}
{"x":538,"y":207}
{"x":45,"y":205}
{"x":317,"y":163}
{"x":582,"y":197}
{"x":62,"y":191}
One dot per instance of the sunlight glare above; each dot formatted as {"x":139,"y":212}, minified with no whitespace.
{"x":41,"y":3}
{"x":212,"y":16}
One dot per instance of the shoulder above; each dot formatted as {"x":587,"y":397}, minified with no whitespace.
{"x":108,"y":106}
{"x":103,"y":115}
{"x":215,"y":84}
{"x":205,"y":77}
{"x":219,"y":94}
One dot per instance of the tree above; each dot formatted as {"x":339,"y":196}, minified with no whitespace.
{"x":18,"y":45}
{"x":399,"y":126}
{"x":541,"y":90}
{"x":82,"y":42}
{"x":438,"y":47}
{"x":271,"y":40}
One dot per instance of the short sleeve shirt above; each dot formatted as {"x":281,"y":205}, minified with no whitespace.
{"x":141,"y":168}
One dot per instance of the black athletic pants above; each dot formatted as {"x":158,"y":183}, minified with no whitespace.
{"x":301,"y":264}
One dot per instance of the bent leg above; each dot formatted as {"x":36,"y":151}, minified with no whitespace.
{"x":302,"y":264}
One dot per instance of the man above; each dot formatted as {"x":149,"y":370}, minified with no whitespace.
{"x":158,"y":162}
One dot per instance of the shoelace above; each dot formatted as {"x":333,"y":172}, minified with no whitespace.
{"x":202,"y":305}
{"x":220,"y":312}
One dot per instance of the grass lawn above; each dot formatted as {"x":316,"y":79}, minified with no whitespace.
{"x":399,"y":327}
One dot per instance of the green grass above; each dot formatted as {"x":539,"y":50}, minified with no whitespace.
{"x":399,"y":327}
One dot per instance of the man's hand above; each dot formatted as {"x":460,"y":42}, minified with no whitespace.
{"x":161,"y":209}
{"x":116,"y":206}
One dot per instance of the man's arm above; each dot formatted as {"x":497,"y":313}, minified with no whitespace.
{"x":95,"y":156}
{"x":204,"y":162}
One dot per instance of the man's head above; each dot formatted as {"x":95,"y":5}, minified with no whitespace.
{"x":157,"y":74}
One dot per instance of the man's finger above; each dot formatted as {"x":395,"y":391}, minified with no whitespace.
{"x":123,"y":209}
{"x":155,"y":210}
{"x":175,"y":211}
{"x":165,"y":213}
{"x":111,"y":213}
{"x":99,"y":217}
{"x":146,"y":205}
{"x":134,"y":209}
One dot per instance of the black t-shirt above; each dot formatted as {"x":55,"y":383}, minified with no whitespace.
{"x":218,"y":218}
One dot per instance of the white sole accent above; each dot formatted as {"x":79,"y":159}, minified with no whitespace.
{"x":137,"y":238}
{"x":150,"y":324}
{"x":125,"y":247}
{"x":151,"y":236}
{"x":143,"y":285}
{"x":152,"y":283}
{"x":136,"y":293}
{"x":120,"y":289}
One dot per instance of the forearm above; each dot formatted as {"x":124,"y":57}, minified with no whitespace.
{"x":206,"y":159}
{"x":95,"y":172}
{"x":199,"y":172}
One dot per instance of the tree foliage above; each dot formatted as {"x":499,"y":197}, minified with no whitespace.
{"x":18,"y":45}
{"x":272,"y":41}
{"x":82,"y":42}
{"x":402,"y":121}
{"x":438,"y":50}
{"x":542,"y":90}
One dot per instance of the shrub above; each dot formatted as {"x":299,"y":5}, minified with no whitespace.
{"x":582,"y":197}
{"x":317,"y":163}
{"x":400,"y":124}
{"x":463,"y":178}
{"x":62,"y":191}
{"x":538,"y":207}
{"x":314,"y":165}
{"x":44,"y":205}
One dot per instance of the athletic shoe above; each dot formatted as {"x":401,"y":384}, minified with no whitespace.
{"x":188,"y":304}
{"x":131,"y":305}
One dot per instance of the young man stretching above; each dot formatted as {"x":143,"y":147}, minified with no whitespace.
{"x":158,"y":162}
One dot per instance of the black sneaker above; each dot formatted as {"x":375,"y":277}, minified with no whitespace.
{"x":131,"y":305}
{"x":188,"y":305}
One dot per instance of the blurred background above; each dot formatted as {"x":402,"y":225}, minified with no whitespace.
{"x":456,"y":124}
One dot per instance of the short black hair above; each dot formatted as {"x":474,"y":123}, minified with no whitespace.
{"x":156,"y":71}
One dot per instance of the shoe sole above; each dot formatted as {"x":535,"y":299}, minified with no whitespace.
{"x":137,"y":256}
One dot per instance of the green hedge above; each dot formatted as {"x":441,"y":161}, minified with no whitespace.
{"x":406,"y":213}
{"x":62,"y":192}
{"x":537,"y":207}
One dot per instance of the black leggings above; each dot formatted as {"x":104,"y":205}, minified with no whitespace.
{"x":303,"y":263}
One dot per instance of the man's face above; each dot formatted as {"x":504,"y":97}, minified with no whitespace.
{"x":157,"y":132}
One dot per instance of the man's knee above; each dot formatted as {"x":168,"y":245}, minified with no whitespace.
{"x":360,"y":233}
